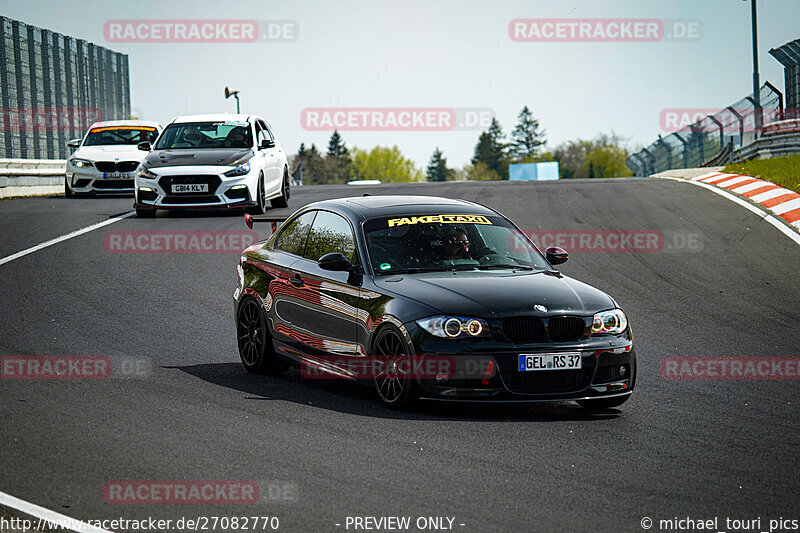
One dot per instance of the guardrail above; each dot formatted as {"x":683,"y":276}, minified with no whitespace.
{"x":31,"y":172}
{"x":776,"y":144}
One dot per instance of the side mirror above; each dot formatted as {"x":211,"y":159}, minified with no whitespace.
{"x":266,"y":143}
{"x":74,"y":143}
{"x":248,"y":219}
{"x":144,"y":146}
{"x":334,"y":261}
{"x":556,"y":255}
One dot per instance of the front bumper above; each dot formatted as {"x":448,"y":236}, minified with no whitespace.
{"x":88,"y":180}
{"x":608,"y":369}
{"x":219,"y":190}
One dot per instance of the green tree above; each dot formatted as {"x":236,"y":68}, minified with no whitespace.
{"x":527,"y":137}
{"x":480,"y":172}
{"x":602,"y":157}
{"x":492,"y":150}
{"x":608,"y":161}
{"x":337,"y":160}
{"x":437,"y":168}
{"x":314,"y":171}
{"x":336,"y":146}
{"x":385,"y":164}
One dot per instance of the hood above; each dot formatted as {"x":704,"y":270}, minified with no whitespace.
{"x":123,"y":152}
{"x":498,"y":295}
{"x":226,"y":157}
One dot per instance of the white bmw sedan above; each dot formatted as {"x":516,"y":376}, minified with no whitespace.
{"x":213,"y":161}
{"x":106,"y":158}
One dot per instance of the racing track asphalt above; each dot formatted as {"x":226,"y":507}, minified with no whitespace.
{"x":677,"y":448}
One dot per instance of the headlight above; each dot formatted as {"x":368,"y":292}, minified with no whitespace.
{"x":80,"y":163}
{"x":455,"y":327}
{"x":143,"y":172}
{"x":241,"y":170}
{"x":611,"y":322}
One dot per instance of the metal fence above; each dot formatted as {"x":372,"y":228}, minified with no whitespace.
{"x":704,"y":140}
{"x":52,"y":87}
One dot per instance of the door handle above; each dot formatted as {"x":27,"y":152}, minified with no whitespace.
{"x":296,"y":280}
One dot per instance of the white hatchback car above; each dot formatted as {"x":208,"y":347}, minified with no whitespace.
{"x":213,"y":161}
{"x":106,"y":158}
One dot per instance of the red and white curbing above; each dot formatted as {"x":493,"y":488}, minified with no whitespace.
{"x":776,"y":199}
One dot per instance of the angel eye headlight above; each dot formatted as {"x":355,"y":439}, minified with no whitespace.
{"x":454,"y":327}
{"x":474,"y":327}
{"x":612,"y":322}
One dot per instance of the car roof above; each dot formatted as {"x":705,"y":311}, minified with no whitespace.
{"x":365,"y":207}
{"x":108,"y":123}
{"x":215,"y":117}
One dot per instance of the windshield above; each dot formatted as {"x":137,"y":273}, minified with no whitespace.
{"x":112,"y":135}
{"x":429,"y":243}
{"x":230,"y":134}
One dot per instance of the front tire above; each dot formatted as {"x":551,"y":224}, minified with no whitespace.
{"x":255,"y":343}
{"x":283,"y":199}
{"x":602,"y":404}
{"x":261,"y":203}
{"x":67,"y":191}
{"x":395,"y":389}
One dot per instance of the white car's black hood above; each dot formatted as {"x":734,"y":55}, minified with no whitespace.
{"x":202,"y":156}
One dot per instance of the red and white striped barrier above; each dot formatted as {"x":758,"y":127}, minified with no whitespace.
{"x":776,"y":199}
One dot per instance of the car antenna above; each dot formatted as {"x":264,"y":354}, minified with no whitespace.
{"x":366,"y":194}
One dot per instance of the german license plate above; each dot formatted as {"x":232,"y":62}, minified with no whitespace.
{"x":190,"y":187}
{"x":117,"y":175}
{"x":549,"y":361}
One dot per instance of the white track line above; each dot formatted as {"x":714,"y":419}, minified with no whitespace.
{"x":57,"y":240}
{"x":769,"y":217}
{"x":48,"y":518}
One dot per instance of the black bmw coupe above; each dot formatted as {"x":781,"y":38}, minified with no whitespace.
{"x":428,"y":298}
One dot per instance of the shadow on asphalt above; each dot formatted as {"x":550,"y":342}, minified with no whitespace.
{"x":351,"y":398}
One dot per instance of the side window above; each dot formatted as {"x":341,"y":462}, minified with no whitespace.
{"x":330,"y":233}
{"x":294,"y":236}
{"x":269,"y":132}
{"x":260,"y":133}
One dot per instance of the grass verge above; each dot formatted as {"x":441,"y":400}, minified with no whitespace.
{"x":785,"y":171}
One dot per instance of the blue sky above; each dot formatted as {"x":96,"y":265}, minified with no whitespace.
{"x":433,"y":53}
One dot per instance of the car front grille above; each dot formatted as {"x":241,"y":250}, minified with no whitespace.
{"x":532,"y":329}
{"x":116,"y":166}
{"x":113,"y":184}
{"x":524,"y":329}
{"x":549,"y":381}
{"x":190,"y":199}
{"x":566,"y":328}
{"x":213,"y":182}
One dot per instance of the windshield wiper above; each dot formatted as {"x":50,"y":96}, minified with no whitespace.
{"x":505,"y":266}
